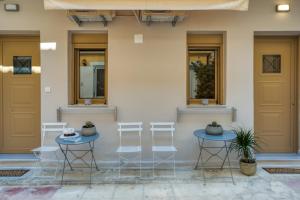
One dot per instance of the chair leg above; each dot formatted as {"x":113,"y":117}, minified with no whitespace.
{"x":119,"y":165}
{"x":57,"y":164}
{"x":173,"y":156}
{"x":153,"y":163}
{"x":37,"y":164}
{"x":140,"y":164}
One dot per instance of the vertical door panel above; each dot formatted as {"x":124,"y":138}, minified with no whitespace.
{"x":21,"y":96}
{"x":273,"y":90}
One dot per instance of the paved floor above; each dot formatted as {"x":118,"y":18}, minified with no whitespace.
{"x":187,"y":185}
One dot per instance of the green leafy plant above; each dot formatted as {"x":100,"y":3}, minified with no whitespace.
{"x":205,"y":76}
{"x":215,"y":124}
{"x":88,"y":124}
{"x":245,"y":144}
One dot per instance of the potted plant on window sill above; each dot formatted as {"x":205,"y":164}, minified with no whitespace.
{"x":88,"y":129}
{"x":245,"y":145}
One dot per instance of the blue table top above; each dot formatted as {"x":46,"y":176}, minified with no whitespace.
{"x":227,"y":135}
{"x":81,"y":140}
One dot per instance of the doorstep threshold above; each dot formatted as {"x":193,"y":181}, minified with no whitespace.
{"x":277,"y":157}
{"x":17,"y":157}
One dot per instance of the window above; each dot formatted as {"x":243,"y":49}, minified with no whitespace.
{"x":205,"y":69}
{"x":271,"y":64}
{"x":89,"y":69}
{"x":22,"y":64}
{"x":91,"y":73}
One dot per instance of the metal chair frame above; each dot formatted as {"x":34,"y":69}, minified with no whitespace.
{"x":48,"y":128}
{"x":125,"y":129}
{"x":160,"y":128}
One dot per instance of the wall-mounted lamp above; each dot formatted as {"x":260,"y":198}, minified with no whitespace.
{"x":283,"y":8}
{"x":11,"y":7}
{"x":48,"y":46}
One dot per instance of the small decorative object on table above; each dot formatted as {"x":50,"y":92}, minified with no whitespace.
{"x":214,"y":129}
{"x":245,"y":144}
{"x":69,"y":132}
{"x":88,"y":129}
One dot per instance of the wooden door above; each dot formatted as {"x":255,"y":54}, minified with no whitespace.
{"x":21,"y":94}
{"x":274,"y":93}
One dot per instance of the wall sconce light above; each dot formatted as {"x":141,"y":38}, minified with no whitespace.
{"x":48,"y":46}
{"x":283,"y":8}
{"x":11,"y":7}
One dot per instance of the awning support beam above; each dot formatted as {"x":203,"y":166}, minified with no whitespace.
{"x":175,"y":19}
{"x":148,"y":20}
{"x":76,"y":19}
{"x":104,"y":21}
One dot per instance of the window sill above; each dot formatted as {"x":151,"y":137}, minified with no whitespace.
{"x":209,"y":106}
{"x":87,"y":109}
{"x":87,"y":106}
{"x":207,"y":109}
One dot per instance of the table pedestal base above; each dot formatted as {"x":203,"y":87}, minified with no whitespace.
{"x":201,"y":143}
{"x":90,"y":165}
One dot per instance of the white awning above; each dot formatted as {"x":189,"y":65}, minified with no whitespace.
{"x":146,"y":4}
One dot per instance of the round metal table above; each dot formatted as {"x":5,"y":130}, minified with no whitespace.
{"x":202,"y":137}
{"x":64,"y":144}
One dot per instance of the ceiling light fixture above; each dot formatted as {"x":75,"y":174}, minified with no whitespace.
{"x":48,"y":46}
{"x":283,"y":8}
{"x":11,"y":7}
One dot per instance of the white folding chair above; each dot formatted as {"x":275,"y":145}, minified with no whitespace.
{"x":134,"y":148}
{"x":167,"y":129}
{"x":48,"y":145}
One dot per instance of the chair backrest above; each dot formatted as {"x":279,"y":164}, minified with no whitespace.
{"x":51,"y":128}
{"x":162,"y":128}
{"x":125,"y":128}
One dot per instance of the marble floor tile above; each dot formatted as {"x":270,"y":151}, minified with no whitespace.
{"x":127,"y":191}
{"x":96,"y":192}
{"x":159,"y":191}
{"x":71,"y":192}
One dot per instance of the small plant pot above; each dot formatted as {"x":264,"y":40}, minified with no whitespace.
{"x":214,"y":130}
{"x":88,"y":131}
{"x":248,"y":169}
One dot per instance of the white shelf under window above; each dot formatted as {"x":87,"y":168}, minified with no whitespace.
{"x":206,"y":109}
{"x":87,"y":109}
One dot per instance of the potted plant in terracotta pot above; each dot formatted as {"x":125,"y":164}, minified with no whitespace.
{"x":88,"y":129}
{"x":245,"y":145}
{"x":214,"y":129}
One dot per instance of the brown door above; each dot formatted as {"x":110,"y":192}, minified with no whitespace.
{"x":21,"y":94}
{"x":274,"y":93}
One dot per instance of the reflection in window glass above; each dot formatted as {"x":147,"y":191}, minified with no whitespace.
{"x":92,"y":73}
{"x":202,"y":69}
{"x":22,"y":64}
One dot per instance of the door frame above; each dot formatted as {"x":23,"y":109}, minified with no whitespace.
{"x":294,"y":81}
{"x":14,"y":38}
{"x":1,"y":95}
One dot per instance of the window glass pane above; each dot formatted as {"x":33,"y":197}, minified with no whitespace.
{"x":22,"y":64}
{"x":92,"y":73}
{"x":271,"y":64}
{"x":202,"y":64}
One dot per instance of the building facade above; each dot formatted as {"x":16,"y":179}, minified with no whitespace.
{"x":148,"y":81}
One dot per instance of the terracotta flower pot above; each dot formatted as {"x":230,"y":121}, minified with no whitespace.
{"x":88,"y":131}
{"x":248,"y":169}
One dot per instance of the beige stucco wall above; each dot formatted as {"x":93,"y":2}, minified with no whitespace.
{"x":147,"y":82}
